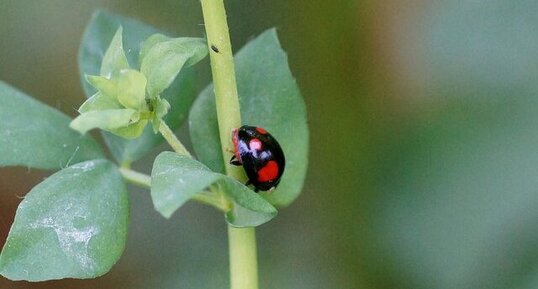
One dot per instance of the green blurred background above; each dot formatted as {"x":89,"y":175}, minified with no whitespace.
{"x":424,"y":143}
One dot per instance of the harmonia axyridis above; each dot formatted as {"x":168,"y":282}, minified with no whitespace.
{"x":260,"y":155}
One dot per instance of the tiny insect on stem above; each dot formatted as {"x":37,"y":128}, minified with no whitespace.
{"x":214,"y":48}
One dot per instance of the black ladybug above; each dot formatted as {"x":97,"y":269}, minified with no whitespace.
{"x":260,"y":155}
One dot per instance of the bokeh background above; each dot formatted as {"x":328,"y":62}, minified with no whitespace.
{"x":424,"y":143}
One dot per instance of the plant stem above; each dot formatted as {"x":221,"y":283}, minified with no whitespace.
{"x":144,"y":181}
{"x":136,"y":178}
{"x":242,"y":242}
{"x":172,"y":140}
{"x":222,"y":68}
{"x":243,"y":261}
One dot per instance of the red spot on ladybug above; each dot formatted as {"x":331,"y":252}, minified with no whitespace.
{"x":269,"y":172}
{"x":260,"y":155}
{"x":255,"y":144}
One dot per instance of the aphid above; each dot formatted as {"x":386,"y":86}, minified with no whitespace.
{"x":214,"y":48}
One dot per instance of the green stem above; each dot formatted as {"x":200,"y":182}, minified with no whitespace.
{"x":222,"y":68}
{"x":144,"y":181}
{"x":242,"y":242}
{"x":136,"y":178}
{"x":172,"y":140}
{"x":243,"y":261}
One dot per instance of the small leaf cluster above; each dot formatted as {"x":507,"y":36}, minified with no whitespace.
{"x":127,"y":99}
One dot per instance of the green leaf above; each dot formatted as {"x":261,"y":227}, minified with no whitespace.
{"x":159,"y":43}
{"x":180,"y":94}
{"x":125,"y":122}
{"x":270,"y":98}
{"x":203,"y":126}
{"x":131,"y":131}
{"x":105,"y":119}
{"x":72,"y":225}
{"x":175,"y":179}
{"x":103,"y":85}
{"x":35,"y":135}
{"x":132,"y":89}
{"x":114,"y":59}
{"x":165,"y":59}
{"x":99,"y":101}
{"x":249,"y":209}
{"x":150,"y":42}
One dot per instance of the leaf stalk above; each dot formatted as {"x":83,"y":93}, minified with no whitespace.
{"x":172,"y":140}
{"x":144,"y":181}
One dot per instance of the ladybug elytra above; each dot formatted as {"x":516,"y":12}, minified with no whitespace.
{"x":260,"y":155}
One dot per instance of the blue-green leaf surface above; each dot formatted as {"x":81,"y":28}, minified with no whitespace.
{"x":35,"y":135}
{"x":175,"y":179}
{"x":270,"y":98}
{"x":249,"y":208}
{"x":72,"y":225}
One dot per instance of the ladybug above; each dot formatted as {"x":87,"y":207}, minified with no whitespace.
{"x":260,"y":155}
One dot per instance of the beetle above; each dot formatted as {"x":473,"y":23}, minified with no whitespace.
{"x":260,"y":155}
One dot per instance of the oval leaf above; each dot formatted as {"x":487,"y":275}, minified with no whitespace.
{"x":180,"y":94}
{"x":35,"y":135}
{"x":99,"y":101}
{"x":163,"y":61}
{"x":204,"y":127}
{"x":72,"y":225}
{"x":150,"y":42}
{"x":270,"y":98}
{"x":105,"y":119}
{"x":175,"y":179}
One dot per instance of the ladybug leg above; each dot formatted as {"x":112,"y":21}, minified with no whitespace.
{"x":234,"y":161}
